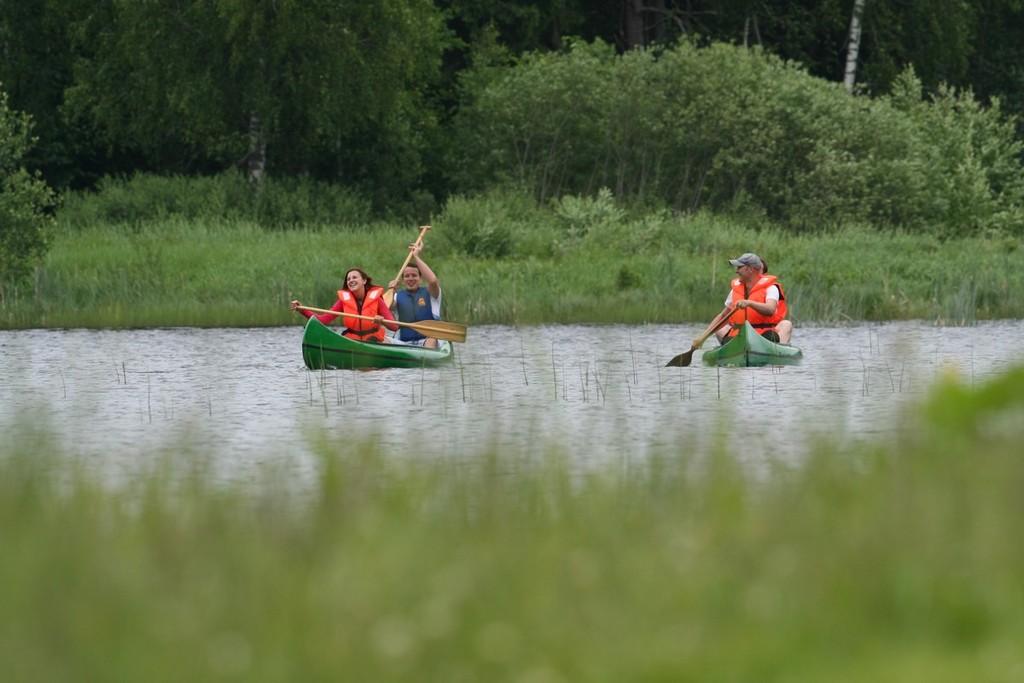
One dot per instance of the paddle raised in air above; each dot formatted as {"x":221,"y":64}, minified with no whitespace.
{"x":389,"y":293}
{"x":683,"y":359}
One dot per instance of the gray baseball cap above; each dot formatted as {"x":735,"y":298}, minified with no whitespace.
{"x":747,"y":259}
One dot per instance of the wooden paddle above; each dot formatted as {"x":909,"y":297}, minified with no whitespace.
{"x":438,"y":329}
{"x":389,"y":293}
{"x":683,"y":359}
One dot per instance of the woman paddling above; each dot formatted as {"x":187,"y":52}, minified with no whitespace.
{"x":359,"y":297}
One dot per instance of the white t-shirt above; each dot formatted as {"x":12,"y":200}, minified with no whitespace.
{"x":771,"y":294}
{"x":435,"y":304}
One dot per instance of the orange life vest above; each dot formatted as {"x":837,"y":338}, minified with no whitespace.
{"x":356,"y":328}
{"x":758,"y":293}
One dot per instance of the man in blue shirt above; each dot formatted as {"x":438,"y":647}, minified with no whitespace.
{"x":418,"y":299}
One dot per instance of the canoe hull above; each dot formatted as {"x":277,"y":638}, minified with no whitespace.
{"x":749,"y":349}
{"x":325,"y":349}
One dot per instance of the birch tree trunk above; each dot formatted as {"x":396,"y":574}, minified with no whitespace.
{"x":853,"y":47}
{"x":256,"y":159}
{"x":751,"y":21}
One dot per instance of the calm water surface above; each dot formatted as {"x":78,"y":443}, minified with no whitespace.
{"x":119,"y":397}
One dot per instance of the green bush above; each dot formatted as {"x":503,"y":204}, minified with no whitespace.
{"x":297,"y":202}
{"x":144,"y":197}
{"x":24,"y":202}
{"x":739,"y":130}
{"x":276,"y":203}
{"x":972,"y":159}
{"x":534,"y":125}
{"x":579,"y":215}
{"x":645,"y":234}
{"x":486,"y":225}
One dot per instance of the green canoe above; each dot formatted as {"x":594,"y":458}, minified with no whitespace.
{"x":323,"y":348}
{"x":749,"y":349}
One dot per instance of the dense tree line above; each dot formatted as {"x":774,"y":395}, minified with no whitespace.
{"x":338,"y":90}
{"x":362,"y":93}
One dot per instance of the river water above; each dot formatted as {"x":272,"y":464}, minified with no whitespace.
{"x":243,"y":397}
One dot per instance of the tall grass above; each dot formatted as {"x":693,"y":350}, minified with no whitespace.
{"x":179,"y":272}
{"x":504,"y":259}
{"x":886,"y":563}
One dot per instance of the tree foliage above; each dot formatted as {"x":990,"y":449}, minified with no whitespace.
{"x":24,"y":200}
{"x":385,"y":98}
{"x":35,"y":68}
{"x":724,"y":127}
{"x":333,"y":88}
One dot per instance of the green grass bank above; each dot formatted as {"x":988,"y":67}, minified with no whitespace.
{"x":899,"y":562}
{"x":653,"y":268}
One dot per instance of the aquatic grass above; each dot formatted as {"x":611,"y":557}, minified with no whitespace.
{"x":186,"y":273}
{"x":882,"y":562}
{"x":656,"y":268}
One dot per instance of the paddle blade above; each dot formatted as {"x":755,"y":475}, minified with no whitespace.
{"x":440,"y":329}
{"x":682,"y":360}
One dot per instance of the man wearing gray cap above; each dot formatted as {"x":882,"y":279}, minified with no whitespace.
{"x":758,"y":299}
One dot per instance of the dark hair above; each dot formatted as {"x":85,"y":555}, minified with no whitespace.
{"x":764,"y":265}
{"x":412,"y":265}
{"x":369,"y":280}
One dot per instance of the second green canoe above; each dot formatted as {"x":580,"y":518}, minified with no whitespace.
{"x":325,"y":349}
{"x":749,"y":349}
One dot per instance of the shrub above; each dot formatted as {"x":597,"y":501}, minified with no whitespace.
{"x":295,"y":202}
{"x":627,"y":278}
{"x":488,"y":224}
{"x":973,"y":159}
{"x":727,"y":128}
{"x":578,"y":215}
{"x":276,"y":203}
{"x":24,"y":202}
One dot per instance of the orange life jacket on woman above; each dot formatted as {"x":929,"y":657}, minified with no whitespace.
{"x":356,"y":328}
{"x":758,"y":293}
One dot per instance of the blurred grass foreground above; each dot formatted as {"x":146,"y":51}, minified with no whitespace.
{"x":898,"y":562}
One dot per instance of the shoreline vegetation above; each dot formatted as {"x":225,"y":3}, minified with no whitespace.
{"x":583,"y":185}
{"x":503,"y":259}
{"x":888,"y":562}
